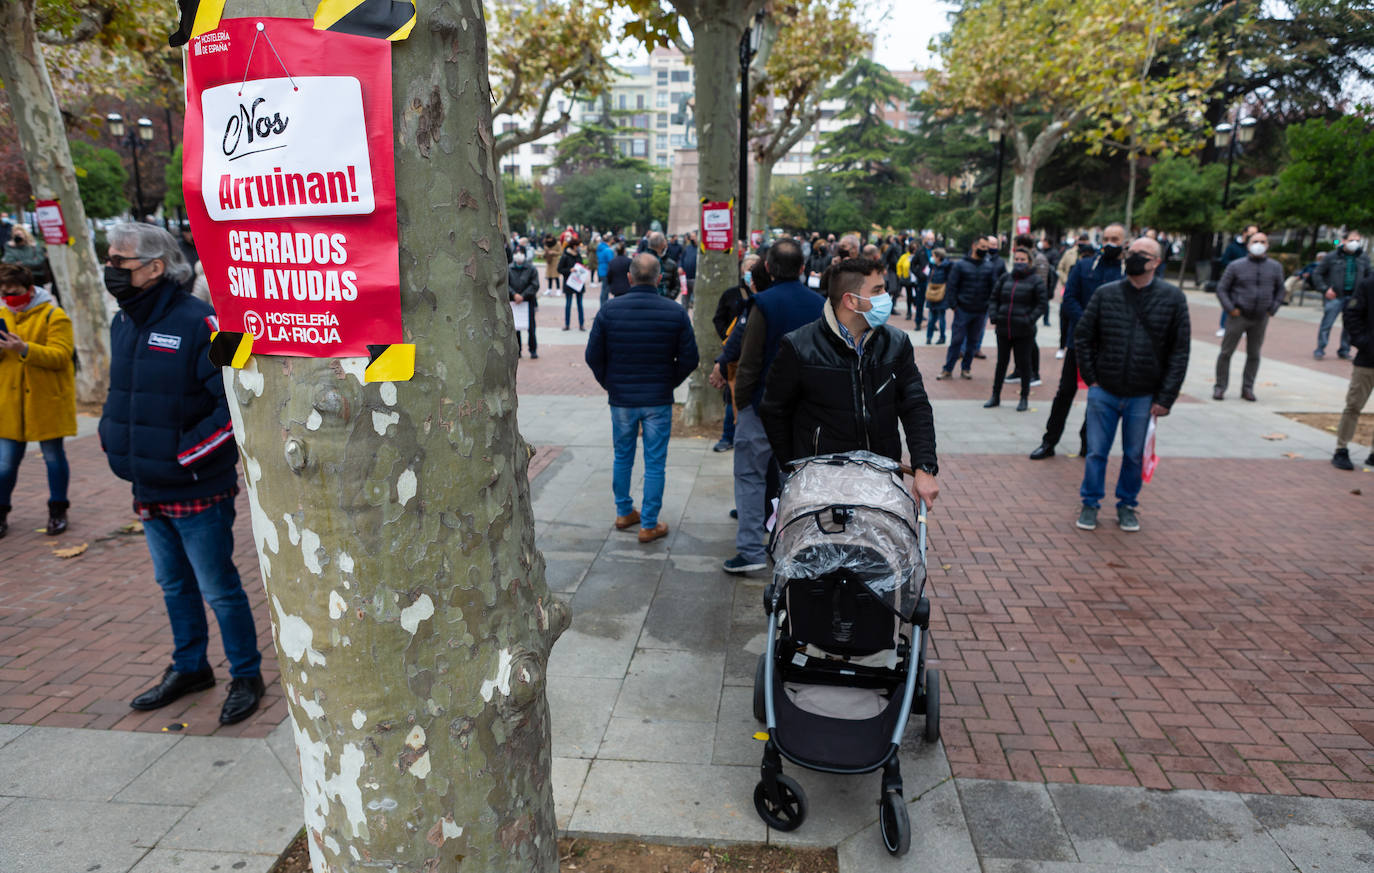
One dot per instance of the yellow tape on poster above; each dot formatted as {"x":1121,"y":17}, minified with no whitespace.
{"x":382,"y":19}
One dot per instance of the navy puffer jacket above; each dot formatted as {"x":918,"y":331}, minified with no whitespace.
{"x":165,"y":426}
{"x":641,"y":347}
{"x":970,"y":283}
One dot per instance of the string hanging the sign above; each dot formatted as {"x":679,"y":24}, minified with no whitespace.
{"x":261,"y":31}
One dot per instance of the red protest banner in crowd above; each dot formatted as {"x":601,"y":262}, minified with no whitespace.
{"x":50,"y":222}
{"x":290,"y":185}
{"x":717,"y":226}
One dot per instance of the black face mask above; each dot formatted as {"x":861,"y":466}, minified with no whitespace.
{"x":1135,"y":264}
{"x":979,"y":253}
{"x":1085,"y":250}
{"x":1020,"y":271}
{"x":119,"y":282}
{"x":1111,"y":251}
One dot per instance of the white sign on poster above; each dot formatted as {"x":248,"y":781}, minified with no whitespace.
{"x":279,"y":148}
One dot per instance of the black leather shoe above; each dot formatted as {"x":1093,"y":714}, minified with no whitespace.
{"x":993,"y":402}
{"x":1023,"y":405}
{"x":173,"y":686}
{"x":57,"y":517}
{"x":244,"y":695}
{"x":1042,"y":451}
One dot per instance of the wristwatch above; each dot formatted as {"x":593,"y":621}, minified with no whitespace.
{"x":932,"y":469}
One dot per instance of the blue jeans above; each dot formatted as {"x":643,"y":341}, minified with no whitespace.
{"x":935,"y":315}
{"x":1104,"y":411}
{"x":727,"y":431}
{"x":54,"y":455}
{"x":1331,"y":310}
{"x":965,"y":336}
{"x":656,"y":422}
{"x":567,"y":308}
{"x":193,"y":558}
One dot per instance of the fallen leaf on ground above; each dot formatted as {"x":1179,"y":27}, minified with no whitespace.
{"x":1276,"y":436}
{"x":1357,"y":492}
{"x":71,"y":552}
{"x":133,"y":527}
{"x":1331,"y":428}
{"x":1291,"y":455}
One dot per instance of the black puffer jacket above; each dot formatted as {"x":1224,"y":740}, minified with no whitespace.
{"x":1018,"y":303}
{"x":970,"y":282}
{"x":1359,"y":320}
{"x":822,"y":397}
{"x":1132,"y":355}
{"x":522,"y":279}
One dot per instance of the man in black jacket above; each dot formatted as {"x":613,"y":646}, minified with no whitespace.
{"x":968,"y":289}
{"x":641,"y":347}
{"x":1337,"y":277}
{"x":1132,"y":345}
{"x":1359,"y":320}
{"x":843,"y":382}
{"x":522,"y":283}
{"x":166,"y":429}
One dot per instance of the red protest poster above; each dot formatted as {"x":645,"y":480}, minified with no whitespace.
{"x":717,"y":226}
{"x":290,"y":185}
{"x":1023,"y":224}
{"x":51,"y":223}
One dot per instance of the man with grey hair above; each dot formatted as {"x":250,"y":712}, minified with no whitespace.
{"x":667,"y":282}
{"x":1250,"y":292}
{"x":165,"y":428}
{"x":641,"y":347}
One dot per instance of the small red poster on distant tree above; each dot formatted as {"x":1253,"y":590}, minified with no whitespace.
{"x":291,"y":186}
{"x":1023,"y":224}
{"x":717,"y":226}
{"x":50,"y":222}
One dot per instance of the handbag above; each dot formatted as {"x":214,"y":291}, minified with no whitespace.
{"x":935,"y":293}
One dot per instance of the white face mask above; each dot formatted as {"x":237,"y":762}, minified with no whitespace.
{"x":520,"y":257}
{"x":1258,"y":248}
{"x":1352,"y":245}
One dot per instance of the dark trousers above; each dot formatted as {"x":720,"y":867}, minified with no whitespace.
{"x":1020,"y":346}
{"x":1063,"y":401}
{"x":966,"y":335}
{"x":534,"y":340}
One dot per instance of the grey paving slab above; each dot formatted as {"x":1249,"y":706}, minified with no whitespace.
{"x":618,"y":583}
{"x":255,"y":808}
{"x":1333,"y":836}
{"x":677,"y":801}
{"x":580,"y":708}
{"x":77,"y":764}
{"x":1014,"y":820}
{"x":190,"y":861}
{"x":734,"y":741}
{"x":1204,"y":830}
{"x":6,"y":801}
{"x":939,"y":840}
{"x":169,"y":779}
{"x":603,"y":650}
{"x":682,"y":621}
{"x":748,"y":640}
{"x":671,"y":685}
{"x":568,"y":776}
{"x":66,"y":836}
{"x":711,"y":498}
{"x":1007,"y":865}
{"x":282,"y":742}
{"x":653,"y":739}
{"x":924,"y":765}
{"x":11,"y":732}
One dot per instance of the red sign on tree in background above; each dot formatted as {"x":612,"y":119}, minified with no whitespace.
{"x":290,"y":185}
{"x":1023,"y":225}
{"x":717,"y":226}
{"x":51,"y":223}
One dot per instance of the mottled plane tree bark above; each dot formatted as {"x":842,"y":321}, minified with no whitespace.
{"x":393,"y":522}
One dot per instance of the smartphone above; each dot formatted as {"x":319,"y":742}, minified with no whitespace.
{"x":4,"y":328}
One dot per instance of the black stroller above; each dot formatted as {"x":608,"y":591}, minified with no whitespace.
{"x":846,"y":656}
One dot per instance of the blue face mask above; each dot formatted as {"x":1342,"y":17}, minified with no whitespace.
{"x":882,"y":308}
{"x":748,"y":278}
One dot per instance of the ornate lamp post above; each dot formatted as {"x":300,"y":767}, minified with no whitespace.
{"x":134,"y":140}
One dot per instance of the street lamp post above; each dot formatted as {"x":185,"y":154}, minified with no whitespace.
{"x":133,"y":140}
{"x":639,"y":203}
{"x":748,"y":47}
{"x":996,"y":135}
{"x":1228,"y":136}
{"x":815,"y":192}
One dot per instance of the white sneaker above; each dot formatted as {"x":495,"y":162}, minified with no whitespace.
{"x":1059,"y":355}
{"x":1221,"y":331}
{"x":1036,"y":381}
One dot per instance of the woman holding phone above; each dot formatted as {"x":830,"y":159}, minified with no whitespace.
{"x":37,"y":389}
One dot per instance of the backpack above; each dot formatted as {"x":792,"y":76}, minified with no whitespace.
{"x":904,"y":266}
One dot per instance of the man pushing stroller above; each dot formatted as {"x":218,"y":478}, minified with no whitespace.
{"x":843,"y":382}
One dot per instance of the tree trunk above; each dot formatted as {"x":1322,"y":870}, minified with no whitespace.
{"x":1133,"y":160}
{"x":1022,"y":186}
{"x":48,"y":160}
{"x":761,"y":198}
{"x":716,"y":30}
{"x":394,"y":527}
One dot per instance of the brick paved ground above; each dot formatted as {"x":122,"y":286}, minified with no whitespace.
{"x":559,"y":370}
{"x":1229,"y":645}
{"x":81,"y":637}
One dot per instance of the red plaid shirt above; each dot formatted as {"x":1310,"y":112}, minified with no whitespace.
{"x":182,"y":508}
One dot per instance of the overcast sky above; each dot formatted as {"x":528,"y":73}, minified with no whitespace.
{"x":905,"y":30}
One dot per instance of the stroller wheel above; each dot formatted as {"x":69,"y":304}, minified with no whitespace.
{"x":790,"y":814}
{"x":760,"y":712}
{"x":894,"y":824}
{"x":932,"y":698}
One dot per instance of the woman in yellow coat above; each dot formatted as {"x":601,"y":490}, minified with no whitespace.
{"x":37,"y":389}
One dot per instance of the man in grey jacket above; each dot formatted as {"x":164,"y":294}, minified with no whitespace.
{"x":1337,"y":277}
{"x":1250,"y":291}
